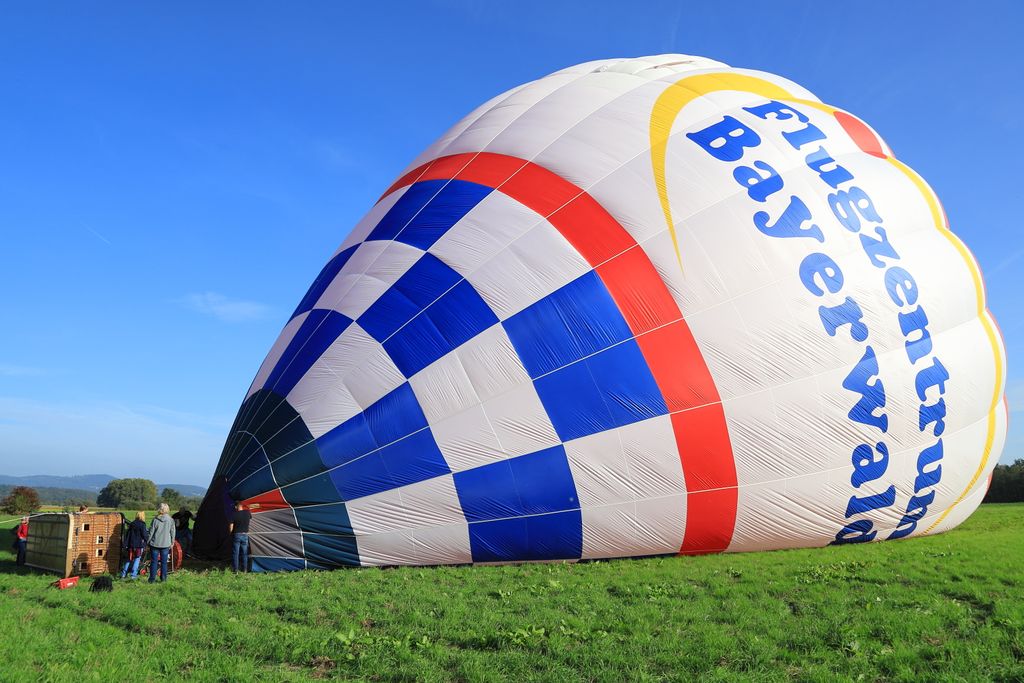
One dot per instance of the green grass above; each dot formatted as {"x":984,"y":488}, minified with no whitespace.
{"x":948,"y":607}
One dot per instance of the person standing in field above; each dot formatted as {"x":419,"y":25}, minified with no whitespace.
{"x":135,"y":545}
{"x":182,"y":533}
{"x":21,"y":540}
{"x":161,"y":538}
{"x":239,"y":529}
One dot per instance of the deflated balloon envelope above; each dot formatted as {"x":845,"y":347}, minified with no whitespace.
{"x":636,"y":307}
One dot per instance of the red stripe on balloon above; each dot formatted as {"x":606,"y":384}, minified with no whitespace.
{"x":861,"y":135}
{"x":672,"y":354}
{"x":703,"y":440}
{"x":271,"y":500}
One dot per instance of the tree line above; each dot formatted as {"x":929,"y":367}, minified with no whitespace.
{"x":1007,"y":483}
{"x":141,"y":494}
{"x":121,"y":494}
{"x":55,"y":495}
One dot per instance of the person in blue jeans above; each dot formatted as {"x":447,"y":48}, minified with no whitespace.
{"x":161,"y":538}
{"x":239,"y":529}
{"x":21,"y":540}
{"x":135,"y":545}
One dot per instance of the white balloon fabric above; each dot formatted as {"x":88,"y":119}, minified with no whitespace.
{"x":637,"y":307}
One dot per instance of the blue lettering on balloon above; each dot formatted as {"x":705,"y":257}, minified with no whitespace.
{"x":779,"y":111}
{"x":878,"y":247}
{"x":790,"y":223}
{"x":859,"y":505}
{"x":849,"y":206}
{"x":726,"y":139}
{"x":820,"y":267}
{"x":872,"y":392}
{"x":866,"y":467}
{"x":847,"y":313}
{"x":759,"y":186}
{"x":827,"y":168}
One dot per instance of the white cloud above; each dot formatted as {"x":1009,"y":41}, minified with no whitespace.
{"x":225,"y":308}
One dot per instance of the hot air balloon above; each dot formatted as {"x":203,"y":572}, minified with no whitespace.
{"x":636,"y":307}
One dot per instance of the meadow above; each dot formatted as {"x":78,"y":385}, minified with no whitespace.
{"x":948,"y":607}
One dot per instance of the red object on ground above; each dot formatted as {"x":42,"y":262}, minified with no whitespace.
{"x":69,"y":582}
{"x":174,"y":559}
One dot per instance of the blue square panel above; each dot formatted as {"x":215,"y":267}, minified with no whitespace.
{"x":446,"y":209}
{"x":530,"y":484}
{"x":397,"y":414}
{"x":346,"y":442}
{"x":277,"y":564}
{"x":362,"y":477}
{"x":626,"y":384}
{"x":255,"y":483}
{"x":554,"y":536}
{"x":330,"y":550}
{"x":297,"y":464}
{"x":544,"y":481}
{"x":414,"y":458}
{"x":575,"y":321}
{"x":317,"y":332}
{"x":488,"y":492}
{"x":418,"y":344}
{"x":427,"y":280}
{"x":286,"y":435}
{"x":574,"y":402}
{"x":408,"y":205}
{"x":459,"y":315}
{"x":407,"y":461}
{"x":316,"y":490}
{"x":327,"y":519}
{"x":388,"y":313}
{"x":416,"y":289}
{"x":250,"y":457}
{"x":324,"y":279}
{"x":427,"y":210}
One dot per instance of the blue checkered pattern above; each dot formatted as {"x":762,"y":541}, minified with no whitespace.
{"x":576,"y":348}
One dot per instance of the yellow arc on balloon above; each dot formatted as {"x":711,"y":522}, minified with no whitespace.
{"x":679,"y":94}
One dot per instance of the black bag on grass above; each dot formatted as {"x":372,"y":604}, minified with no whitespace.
{"x":102,"y":583}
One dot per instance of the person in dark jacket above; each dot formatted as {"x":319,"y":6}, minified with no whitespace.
{"x":239,"y":530}
{"x":21,"y":540}
{"x":135,"y":545}
{"x":161,"y":538}
{"x":182,"y":532}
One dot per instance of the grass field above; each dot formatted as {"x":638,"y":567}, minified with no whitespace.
{"x":948,"y":607}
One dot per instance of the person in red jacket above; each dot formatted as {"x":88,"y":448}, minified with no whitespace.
{"x":21,"y":540}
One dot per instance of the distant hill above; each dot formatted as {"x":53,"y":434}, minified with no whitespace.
{"x":87,"y":482}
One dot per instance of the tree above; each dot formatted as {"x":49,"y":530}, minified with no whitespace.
{"x":119,"y":492}
{"x":1007,"y":484}
{"x":172,"y":497}
{"x":20,"y":501}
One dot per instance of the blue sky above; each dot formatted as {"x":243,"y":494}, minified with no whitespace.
{"x":172,"y":176}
